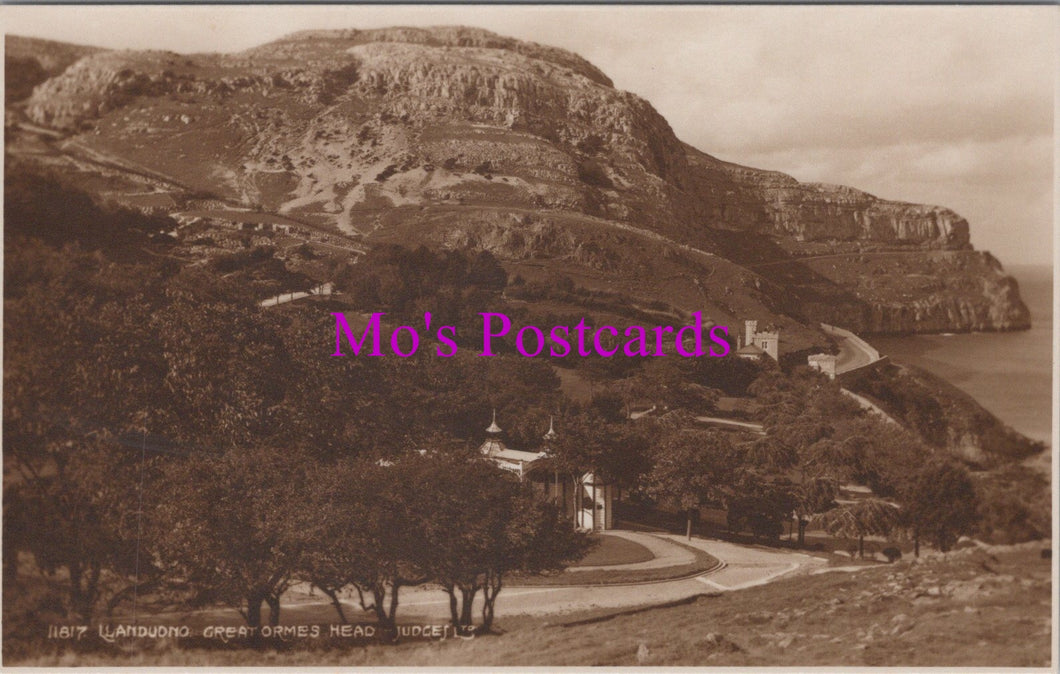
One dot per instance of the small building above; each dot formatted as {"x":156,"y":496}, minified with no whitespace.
{"x":596,"y":504}
{"x":588,"y":501}
{"x":824,"y":363}
{"x":509,"y":459}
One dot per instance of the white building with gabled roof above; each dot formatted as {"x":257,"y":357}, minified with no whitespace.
{"x":588,"y":501}
{"x":509,"y":459}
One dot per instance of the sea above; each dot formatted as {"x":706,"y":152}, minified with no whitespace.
{"x":1008,"y":373}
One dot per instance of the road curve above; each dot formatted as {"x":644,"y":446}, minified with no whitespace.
{"x":742,"y":567}
{"x":851,"y":356}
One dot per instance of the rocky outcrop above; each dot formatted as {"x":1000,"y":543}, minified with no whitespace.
{"x":617,"y":151}
{"x":97,"y":85}
{"x":815,"y":212}
{"x":312,"y":45}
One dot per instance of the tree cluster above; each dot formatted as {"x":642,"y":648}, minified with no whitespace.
{"x":179,"y":439}
{"x":373,"y":527}
{"x":820,"y":439}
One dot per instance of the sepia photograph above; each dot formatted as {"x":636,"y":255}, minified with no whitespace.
{"x":529,"y":336}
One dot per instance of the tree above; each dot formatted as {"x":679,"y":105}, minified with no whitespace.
{"x":691,"y":469}
{"x":233,"y":526}
{"x":836,"y":459}
{"x":332,"y":407}
{"x":481,"y":524}
{"x":472,"y":503}
{"x":42,"y":206}
{"x":367,"y":531}
{"x":892,"y":454}
{"x":813,"y":496}
{"x":226,"y":367}
{"x":673,"y":382}
{"x":81,"y":520}
{"x":1015,"y":505}
{"x":858,"y":519}
{"x":614,"y":450}
{"x":762,"y":508}
{"x":731,"y":375}
{"x":485,"y":271}
{"x":941,"y":504}
{"x":536,"y":540}
{"x":79,"y":373}
{"x":771,"y":454}
{"x":458,"y":521}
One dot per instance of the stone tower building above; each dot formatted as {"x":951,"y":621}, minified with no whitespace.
{"x":767,"y":341}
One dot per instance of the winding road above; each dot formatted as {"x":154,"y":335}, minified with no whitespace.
{"x":741,"y":567}
{"x":859,"y":253}
{"x":854,"y":352}
{"x":850,"y":357}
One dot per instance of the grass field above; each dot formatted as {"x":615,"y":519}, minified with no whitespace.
{"x":613,"y":550}
{"x":702,"y":563}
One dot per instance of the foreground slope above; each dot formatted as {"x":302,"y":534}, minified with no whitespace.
{"x":971,"y":608}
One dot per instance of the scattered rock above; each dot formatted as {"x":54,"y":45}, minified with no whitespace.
{"x":643,"y":653}
{"x":902,"y":623}
{"x":717,"y":643}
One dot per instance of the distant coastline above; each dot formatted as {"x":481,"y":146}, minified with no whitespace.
{"x":1010,"y":374}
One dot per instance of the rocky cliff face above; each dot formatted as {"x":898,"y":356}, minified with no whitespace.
{"x":359,"y":129}
{"x":768,"y":202}
{"x":995,"y":305}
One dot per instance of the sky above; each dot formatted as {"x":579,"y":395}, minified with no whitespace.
{"x":951,"y":106}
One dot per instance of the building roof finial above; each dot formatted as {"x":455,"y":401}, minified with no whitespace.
{"x":551,"y":435}
{"x":494,"y":428}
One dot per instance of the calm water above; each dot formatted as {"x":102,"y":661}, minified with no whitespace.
{"x":1010,"y":374}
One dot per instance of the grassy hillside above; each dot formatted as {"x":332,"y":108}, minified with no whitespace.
{"x":945,"y":416}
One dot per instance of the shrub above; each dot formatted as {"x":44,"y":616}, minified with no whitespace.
{"x":592,"y":172}
{"x":591,"y":144}
{"x":386,"y":173}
